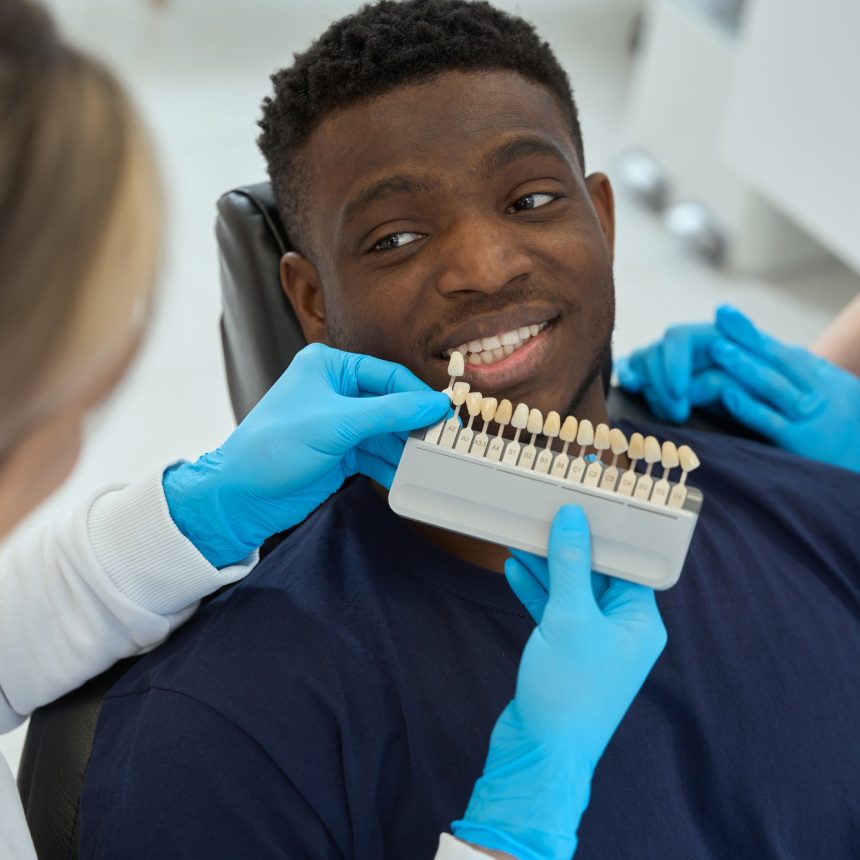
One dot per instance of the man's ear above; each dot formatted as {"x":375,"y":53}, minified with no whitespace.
{"x":300,"y":282}
{"x":600,"y":192}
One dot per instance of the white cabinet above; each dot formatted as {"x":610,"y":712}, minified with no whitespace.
{"x":761,"y":124}
{"x":792,"y":121}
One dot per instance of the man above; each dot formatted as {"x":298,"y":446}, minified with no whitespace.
{"x":430,"y":171}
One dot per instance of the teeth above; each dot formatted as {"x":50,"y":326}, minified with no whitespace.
{"x":487,"y":350}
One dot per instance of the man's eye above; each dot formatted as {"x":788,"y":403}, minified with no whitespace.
{"x":395,"y":240}
{"x":532,"y":201}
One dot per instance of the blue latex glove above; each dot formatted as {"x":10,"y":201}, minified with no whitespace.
{"x":596,"y":641}
{"x":797,"y":400}
{"x":800,"y":401}
{"x":674,"y":374}
{"x":332,"y":414}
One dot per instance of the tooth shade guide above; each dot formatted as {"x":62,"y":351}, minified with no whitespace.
{"x":635,"y":452}
{"x":584,"y":438}
{"x":645,"y":484}
{"x":618,"y":444}
{"x":434,"y":431}
{"x":467,"y":434}
{"x":488,"y":412}
{"x":519,"y":422}
{"x":551,"y":429}
{"x":502,"y":418}
{"x":492,"y":502}
{"x":452,"y":425}
{"x":669,"y":460}
{"x":535,"y":427}
{"x":567,"y":434}
{"x":464,"y":440}
{"x":595,"y":469}
{"x":688,"y":461}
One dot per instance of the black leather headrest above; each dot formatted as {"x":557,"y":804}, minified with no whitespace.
{"x":259,"y":331}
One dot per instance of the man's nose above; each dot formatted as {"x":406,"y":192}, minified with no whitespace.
{"x":480,"y":257}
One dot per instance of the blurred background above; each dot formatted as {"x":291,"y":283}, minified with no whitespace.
{"x":730,"y":129}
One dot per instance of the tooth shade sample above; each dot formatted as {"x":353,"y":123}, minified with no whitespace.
{"x":518,"y":422}
{"x":669,"y":455}
{"x":617,"y":441}
{"x":456,"y":365}
{"x":636,"y":449}
{"x":551,"y":426}
{"x":503,"y":413}
{"x":473,"y":403}
{"x":652,"y":450}
{"x":669,"y":460}
{"x":618,"y":444}
{"x":521,"y":417}
{"x":535,"y":422}
{"x":687,"y":459}
{"x":459,"y":392}
{"x":488,"y":409}
{"x":585,"y":434}
{"x":601,"y":437}
{"x":567,"y":434}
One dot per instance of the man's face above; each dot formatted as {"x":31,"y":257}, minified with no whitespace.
{"x":451,"y":211}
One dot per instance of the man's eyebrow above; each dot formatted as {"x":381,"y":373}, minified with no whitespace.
{"x":398,"y":183}
{"x":513,"y":150}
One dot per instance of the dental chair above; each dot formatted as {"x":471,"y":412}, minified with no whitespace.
{"x":260,"y":335}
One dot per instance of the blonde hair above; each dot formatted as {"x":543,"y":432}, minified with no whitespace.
{"x":80,"y":220}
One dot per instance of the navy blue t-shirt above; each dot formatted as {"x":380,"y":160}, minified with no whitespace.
{"x":338,"y":702}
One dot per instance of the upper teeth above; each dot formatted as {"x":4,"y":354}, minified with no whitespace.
{"x":485,"y":350}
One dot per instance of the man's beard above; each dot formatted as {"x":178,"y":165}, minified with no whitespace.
{"x":596,"y":370}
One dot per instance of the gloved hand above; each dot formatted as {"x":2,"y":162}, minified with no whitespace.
{"x":797,"y":400}
{"x":330,"y":415}
{"x":800,"y":401}
{"x":596,"y":641}
{"x":674,"y":374}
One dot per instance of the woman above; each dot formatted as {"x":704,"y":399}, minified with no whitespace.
{"x":79,"y":242}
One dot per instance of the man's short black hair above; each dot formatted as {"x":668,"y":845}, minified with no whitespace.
{"x":380,"y":47}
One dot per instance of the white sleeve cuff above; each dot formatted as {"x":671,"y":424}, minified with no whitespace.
{"x":451,"y":848}
{"x":145,"y":555}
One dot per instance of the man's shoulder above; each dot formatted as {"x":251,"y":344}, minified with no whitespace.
{"x":291,"y":619}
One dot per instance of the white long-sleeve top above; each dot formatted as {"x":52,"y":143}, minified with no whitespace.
{"x":110,"y":579}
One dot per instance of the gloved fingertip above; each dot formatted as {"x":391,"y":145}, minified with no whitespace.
{"x":572,"y":518}
{"x":627,"y":377}
{"x":680,"y":410}
{"x":737,"y":325}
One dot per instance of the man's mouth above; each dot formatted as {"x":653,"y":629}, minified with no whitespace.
{"x":497,"y":347}
{"x":510,"y":357}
